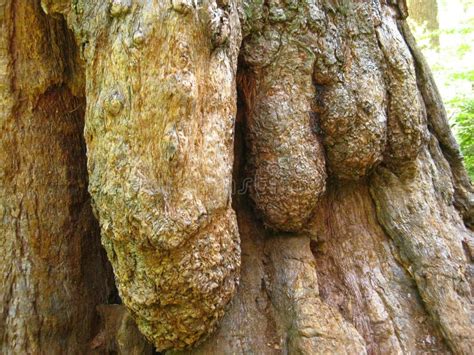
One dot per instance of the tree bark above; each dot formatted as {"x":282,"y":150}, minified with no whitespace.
{"x":348,"y":230}
{"x":53,"y":271}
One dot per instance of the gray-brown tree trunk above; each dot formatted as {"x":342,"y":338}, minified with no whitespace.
{"x":271,"y":177}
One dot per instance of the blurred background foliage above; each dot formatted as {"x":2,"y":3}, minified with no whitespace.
{"x":444,"y":30}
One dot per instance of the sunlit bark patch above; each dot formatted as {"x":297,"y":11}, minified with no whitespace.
{"x":161,"y":107}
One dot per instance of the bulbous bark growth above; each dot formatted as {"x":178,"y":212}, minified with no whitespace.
{"x":159,"y":133}
{"x":377,"y":247}
{"x":285,"y":157}
{"x":355,"y":233}
{"x":342,"y":71}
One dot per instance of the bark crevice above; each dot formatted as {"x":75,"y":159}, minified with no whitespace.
{"x":54,"y":271}
{"x":280,"y":194}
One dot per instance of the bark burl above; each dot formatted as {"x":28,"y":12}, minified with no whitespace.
{"x":349,"y":231}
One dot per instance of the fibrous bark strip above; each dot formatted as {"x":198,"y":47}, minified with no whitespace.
{"x":53,"y":272}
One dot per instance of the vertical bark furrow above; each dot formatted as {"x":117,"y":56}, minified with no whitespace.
{"x":418,"y":214}
{"x":309,"y":323}
{"x":439,"y":124}
{"x":359,"y":274}
{"x":52,"y":270}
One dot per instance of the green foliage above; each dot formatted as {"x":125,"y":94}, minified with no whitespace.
{"x":464,"y":127}
{"x":466,"y":75}
{"x":452,"y":66}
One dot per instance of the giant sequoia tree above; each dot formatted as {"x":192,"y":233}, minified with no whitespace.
{"x":349,"y":229}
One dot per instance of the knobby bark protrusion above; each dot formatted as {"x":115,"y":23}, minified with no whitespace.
{"x":341,"y":74}
{"x":357,"y":245}
{"x":159,"y":132}
{"x":285,"y":157}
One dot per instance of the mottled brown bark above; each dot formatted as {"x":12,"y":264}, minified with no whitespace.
{"x":392,"y":255}
{"x":348,"y":230}
{"x":159,"y":133}
{"x":118,"y":333}
{"x":52,"y":270}
{"x":438,"y":123}
{"x":371,"y":286}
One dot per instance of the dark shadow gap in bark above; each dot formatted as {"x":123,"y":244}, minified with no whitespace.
{"x":55,"y":239}
{"x":95,"y":267}
{"x":243,"y":205}
{"x":74,"y":84}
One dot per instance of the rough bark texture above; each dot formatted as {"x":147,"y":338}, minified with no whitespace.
{"x":286,"y":159}
{"x":52,"y":270}
{"x":371,"y":287}
{"x":119,"y":333}
{"x":392,"y":254}
{"x":159,"y":133}
{"x":350,"y":227}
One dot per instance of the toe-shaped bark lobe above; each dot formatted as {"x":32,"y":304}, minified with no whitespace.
{"x":370,"y":109}
{"x":285,"y":158}
{"x":351,"y":97}
{"x":406,"y":112}
{"x":340,"y":75}
{"x":159,"y":131}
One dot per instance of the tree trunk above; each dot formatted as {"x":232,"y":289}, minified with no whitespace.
{"x":269,"y":177}
{"x":53,"y":270}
